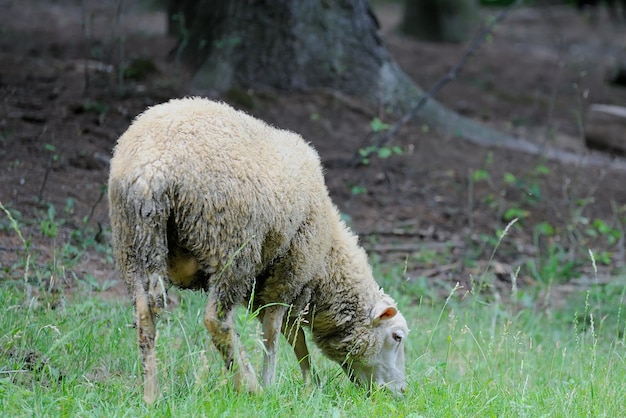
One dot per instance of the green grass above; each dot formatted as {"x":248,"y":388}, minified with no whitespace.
{"x":75,"y":354}
{"x":465,"y":358}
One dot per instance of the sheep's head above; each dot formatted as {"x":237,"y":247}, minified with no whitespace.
{"x":381,"y":363}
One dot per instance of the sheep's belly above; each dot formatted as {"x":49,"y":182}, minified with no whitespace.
{"x":183,"y":269}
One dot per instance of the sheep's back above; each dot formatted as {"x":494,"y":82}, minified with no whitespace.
{"x":235,"y":185}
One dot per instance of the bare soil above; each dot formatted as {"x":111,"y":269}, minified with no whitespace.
{"x":434,"y":211}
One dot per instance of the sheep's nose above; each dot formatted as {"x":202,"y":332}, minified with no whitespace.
{"x":397,"y":390}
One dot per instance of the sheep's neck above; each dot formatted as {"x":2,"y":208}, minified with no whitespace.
{"x":343,"y":298}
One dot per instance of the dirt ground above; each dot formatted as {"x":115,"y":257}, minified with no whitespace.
{"x":434,"y":211}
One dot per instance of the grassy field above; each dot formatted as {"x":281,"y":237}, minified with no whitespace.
{"x":466,"y":357}
{"x":493,"y":353}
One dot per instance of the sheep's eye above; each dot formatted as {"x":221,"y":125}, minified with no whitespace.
{"x":397,"y":336}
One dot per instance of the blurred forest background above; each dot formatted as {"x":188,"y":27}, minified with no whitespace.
{"x":513,"y":175}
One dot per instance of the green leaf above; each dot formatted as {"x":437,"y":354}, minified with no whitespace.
{"x":358,"y":189}
{"x":541,"y":170}
{"x":51,"y":212}
{"x":513,"y":213}
{"x":385,"y":152}
{"x":378,"y":125}
{"x":49,"y":228}
{"x":544,"y":228}
{"x":509,"y":178}
{"x":480,"y":175}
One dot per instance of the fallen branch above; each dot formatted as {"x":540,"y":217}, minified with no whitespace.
{"x":439,"y":270}
{"x":10,"y":249}
{"x":410,"y":246}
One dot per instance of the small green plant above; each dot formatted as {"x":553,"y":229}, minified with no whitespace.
{"x":89,"y":283}
{"x":14,"y":164}
{"x":69,"y":206}
{"x":49,"y":225}
{"x":55,"y":262}
{"x":138,"y":69}
{"x":554,"y":265}
{"x":480,"y":175}
{"x":377,"y":126}
{"x":382,"y":152}
{"x":583,"y":232}
{"x":358,"y":189}
{"x":600,"y":229}
{"x":515,"y":212}
{"x":528,"y":189}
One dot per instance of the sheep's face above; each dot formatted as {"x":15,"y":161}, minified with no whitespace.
{"x":382,"y":363}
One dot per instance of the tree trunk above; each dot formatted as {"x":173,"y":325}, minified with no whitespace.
{"x":291,"y":45}
{"x":441,"y":20}
{"x":314,"y":44}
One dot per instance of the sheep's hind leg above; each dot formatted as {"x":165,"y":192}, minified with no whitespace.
{"x":145,"y":321}
{"x":272,"y":323}
{"x":218,"y":320}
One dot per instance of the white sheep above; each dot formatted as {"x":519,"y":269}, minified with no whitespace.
{"x":206,"y":197}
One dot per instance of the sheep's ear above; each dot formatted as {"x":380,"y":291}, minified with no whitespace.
{"x":383,"y":312}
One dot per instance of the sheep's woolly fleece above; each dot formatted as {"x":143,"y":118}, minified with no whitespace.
{"x":204,"y":196}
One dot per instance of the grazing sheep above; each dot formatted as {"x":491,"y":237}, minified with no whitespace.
{"x":206,"y":197}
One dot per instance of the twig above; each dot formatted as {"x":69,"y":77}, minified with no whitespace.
{"x":478,"y":40}
{"x":103,"y":192}
{"x":436,"y":271}
{"x":10,"y":249}
{"x":411,"y":246}
{"x":470,"y":221}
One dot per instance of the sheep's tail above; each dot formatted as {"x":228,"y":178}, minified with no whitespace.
{"x":139,"y":215}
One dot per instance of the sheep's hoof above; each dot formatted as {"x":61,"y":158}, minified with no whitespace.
{"x":149,"y":399}
{"x":150,"y":394}
{"x":247,"y":382}
{"x":311,"y":379}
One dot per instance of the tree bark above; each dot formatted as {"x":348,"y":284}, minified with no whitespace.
{"x":291,"y":45}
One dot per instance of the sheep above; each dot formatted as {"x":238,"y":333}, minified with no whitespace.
{"x":206,"y":197}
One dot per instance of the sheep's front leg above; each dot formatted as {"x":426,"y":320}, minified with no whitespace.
{"x":145,"y":321}
{"x":295,"y":335}
{"x":272,"y":324}
{"x":218,"y":320}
